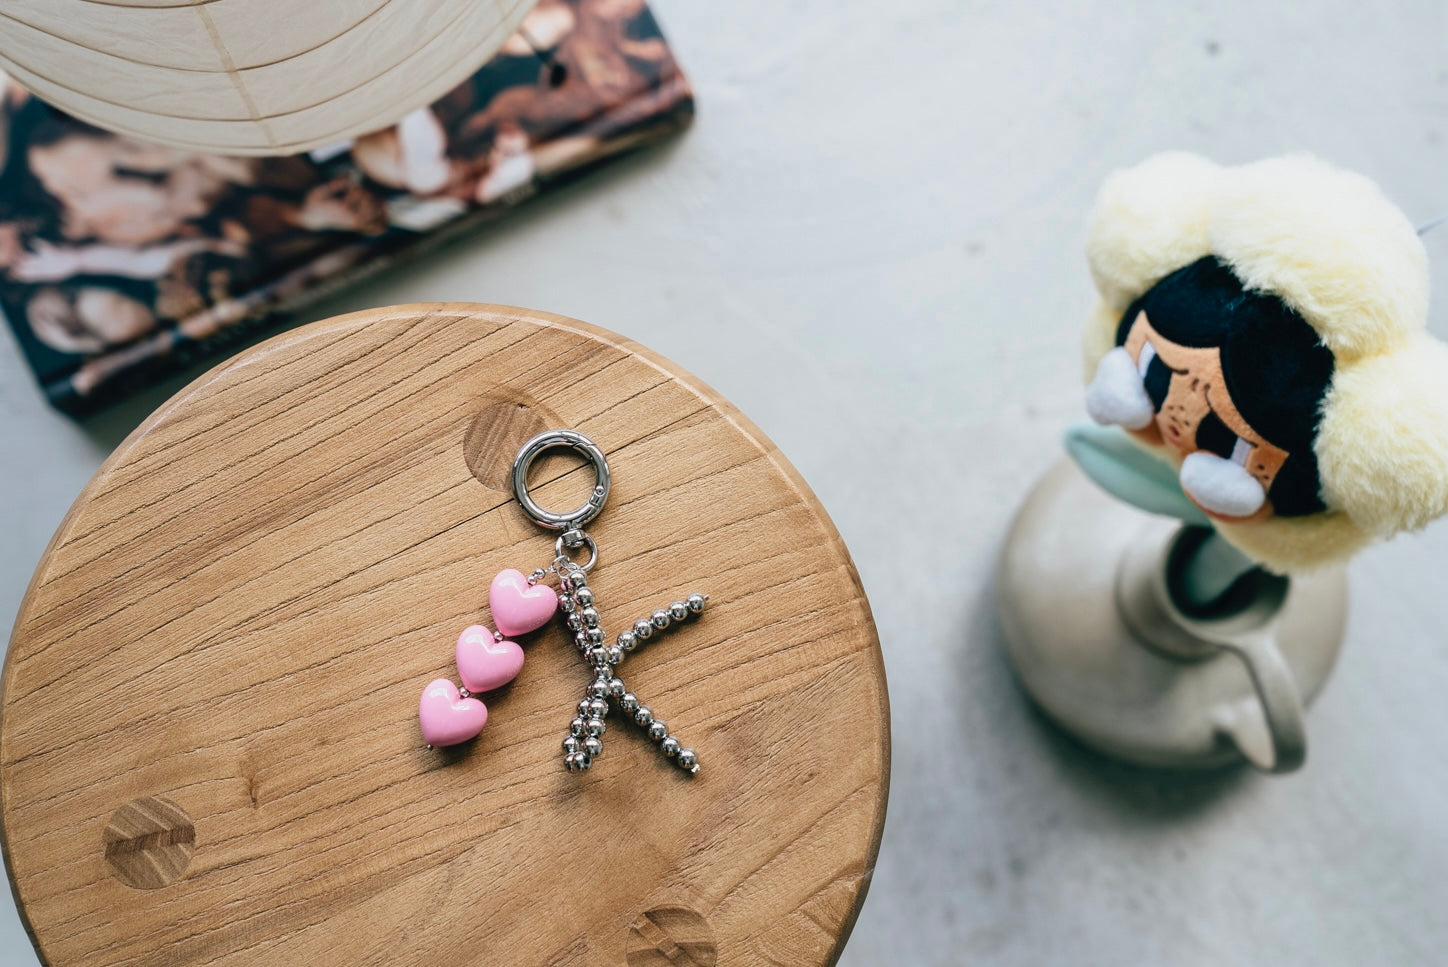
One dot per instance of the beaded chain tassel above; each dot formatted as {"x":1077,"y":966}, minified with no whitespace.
{"x":578,"y":605}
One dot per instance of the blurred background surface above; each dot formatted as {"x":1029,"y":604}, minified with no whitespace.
{"x":871,"y":242}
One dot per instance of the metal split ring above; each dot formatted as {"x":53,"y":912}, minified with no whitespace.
{"x":569,"y":440}
{"x":572,"y":540}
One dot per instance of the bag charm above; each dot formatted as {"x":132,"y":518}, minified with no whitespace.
{"x":488,"y":660}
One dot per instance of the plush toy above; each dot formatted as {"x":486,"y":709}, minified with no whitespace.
{"x":1263,"y":329}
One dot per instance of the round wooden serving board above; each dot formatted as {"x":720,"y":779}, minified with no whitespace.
{"x":210,"y":751}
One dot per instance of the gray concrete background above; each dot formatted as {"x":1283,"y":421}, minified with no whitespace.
{"x":871,"y":242}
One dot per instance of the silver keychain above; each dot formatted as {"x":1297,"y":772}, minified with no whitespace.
{"x":579,"y":606}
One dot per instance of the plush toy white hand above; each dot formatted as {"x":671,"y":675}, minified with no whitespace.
{"x":1221,"y":486}
{"x":1117,"y":397}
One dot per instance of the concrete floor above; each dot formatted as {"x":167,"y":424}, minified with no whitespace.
{"x":871,"y":242}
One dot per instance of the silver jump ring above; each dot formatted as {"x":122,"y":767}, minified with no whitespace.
{"x":562,"y":546}
{"x":551,"y":440}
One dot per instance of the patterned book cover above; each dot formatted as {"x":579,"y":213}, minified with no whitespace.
{"x":123,"y":261}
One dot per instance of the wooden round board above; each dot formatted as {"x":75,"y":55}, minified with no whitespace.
{"x":209,"y":749}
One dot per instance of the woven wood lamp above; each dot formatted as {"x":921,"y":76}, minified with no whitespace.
{"x":249,"y":77}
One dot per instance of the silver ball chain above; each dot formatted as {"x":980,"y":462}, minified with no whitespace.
{"x":578,"y":604}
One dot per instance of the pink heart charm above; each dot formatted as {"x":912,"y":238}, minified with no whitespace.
{"x":446,"y":717}
{"x":519,"y":607}
{"x":484,"y":663}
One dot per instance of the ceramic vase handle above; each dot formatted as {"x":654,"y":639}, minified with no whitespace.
{"x":1267,"y":723}
{"x":1268,"y":726}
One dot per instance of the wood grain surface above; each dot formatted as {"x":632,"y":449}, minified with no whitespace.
{"x":209,"y":751}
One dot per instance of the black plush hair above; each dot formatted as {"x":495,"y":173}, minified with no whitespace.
{"x":1276,"y":369}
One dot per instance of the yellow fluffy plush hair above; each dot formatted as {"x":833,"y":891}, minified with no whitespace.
{"x":1331,"y":246}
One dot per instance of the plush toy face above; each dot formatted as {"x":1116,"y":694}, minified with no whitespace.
{"x":1231,"y":382}
{"x":1194,"y":413}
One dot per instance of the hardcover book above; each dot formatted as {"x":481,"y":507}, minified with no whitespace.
{"x":122,"y":262}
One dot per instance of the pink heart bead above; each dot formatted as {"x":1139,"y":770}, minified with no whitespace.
{"x":484,"y":663}
{"x":446,"y":717}
{"x":519,"y":607}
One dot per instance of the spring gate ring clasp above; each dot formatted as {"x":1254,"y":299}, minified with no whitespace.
{"x":570,"y":524}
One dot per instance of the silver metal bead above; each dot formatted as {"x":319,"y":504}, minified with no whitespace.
{"x":584,"y":597}
{"x":597,"y":655}
{"x":643,"y":629}
{"x":570,"y":761}
{"x":629,"y":702}
{"x":577,"y":762}
{"x":660,"y":619}
{"x":615,"y":654}
{"x":643,"y":715}
{"x":585,"y":707}
{"x":574,"y":622}
{"x":590,"y":617}
{"x":581,"y":640}
{"x":577,"y":728}
{"x":593,"y":746}
{"x":594,"y":728}
{"x":688,"y":760}
{"x":595,"y":636}
{"x":616,"y":687}
{"x":584,"y":762}
{"x":565,"y":602}
{"x":678,"y":611}
{"x":627,"y":641}
{"x":598,"y":688}
{"x":464,"y":693}
{"x":658,"y":731}
{"x":669,"y":746}
{"x":571,"y":744}
{"x":695,"y":602}
{"x":598,"y":707}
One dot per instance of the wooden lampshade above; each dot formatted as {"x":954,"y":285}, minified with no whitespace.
{"x":253,"y":77}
